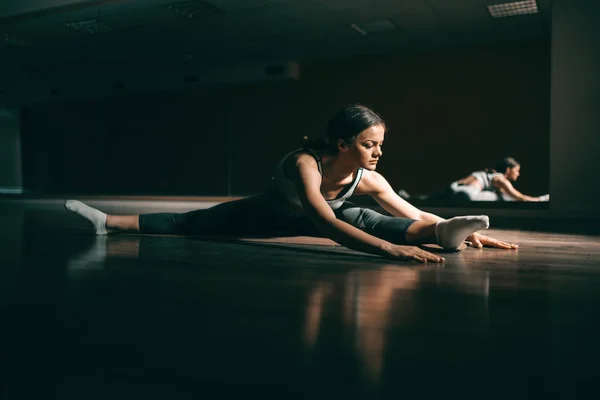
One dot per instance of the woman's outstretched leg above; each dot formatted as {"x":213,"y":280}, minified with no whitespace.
{"x":128,"y":223}
{"x":97,"y":218}
{"x":167,"y":223}
{"x":420,"y":233}
{"x":245,"y":217}
{"x":449,"y":234}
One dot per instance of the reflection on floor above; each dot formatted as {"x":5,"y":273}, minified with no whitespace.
{"x":134,"y":316}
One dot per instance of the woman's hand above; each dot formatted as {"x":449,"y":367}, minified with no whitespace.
{"x":411,"y":253}
{"x":478,"y":240}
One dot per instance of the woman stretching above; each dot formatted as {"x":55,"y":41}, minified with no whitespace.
{"x":484,"y":185}
{"x":308,"y":196}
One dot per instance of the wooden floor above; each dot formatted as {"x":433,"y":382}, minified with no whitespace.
{"x":134,"y":316}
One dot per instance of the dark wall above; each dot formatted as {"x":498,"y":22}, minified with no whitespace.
{"x":448,"y":113}
{"x":10,"y":150}
{"x":165,"y":143}
{"x":575,"y":106}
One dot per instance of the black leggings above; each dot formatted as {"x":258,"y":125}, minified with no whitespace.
{"x":256,"y":217}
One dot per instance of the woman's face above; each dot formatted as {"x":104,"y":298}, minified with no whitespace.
{"x":367,"y":147}
{"x":512,"y":174}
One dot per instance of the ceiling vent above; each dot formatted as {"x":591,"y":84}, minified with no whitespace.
{"x":513,"y":9}
{"x":368,"y":28}
{"x":89,"y":26}
{"x":192,"y":8}
{"x":279,"y":71}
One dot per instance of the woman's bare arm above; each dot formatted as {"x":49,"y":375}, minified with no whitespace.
{"x":307,"y":180}
{"x":376,"y":186}
{"x":504,"y":185}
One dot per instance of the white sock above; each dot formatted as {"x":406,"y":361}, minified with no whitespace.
{"x":451,"y":233}
{"x":96,"y":217}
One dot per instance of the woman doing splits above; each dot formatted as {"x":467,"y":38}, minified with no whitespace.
{"x":308,"y":197}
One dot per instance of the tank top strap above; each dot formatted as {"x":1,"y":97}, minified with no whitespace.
{"x":359,"y":174}
{"x":348,"y":190}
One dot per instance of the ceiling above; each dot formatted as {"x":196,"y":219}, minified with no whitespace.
{"x":46,"y":35}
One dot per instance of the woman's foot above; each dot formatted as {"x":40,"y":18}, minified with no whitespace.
{"x":96,"y":217}
{"x":451,"y":233}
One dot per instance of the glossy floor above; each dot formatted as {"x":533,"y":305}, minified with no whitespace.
{"x":133,"y":316}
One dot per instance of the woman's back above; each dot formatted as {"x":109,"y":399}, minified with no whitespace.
{"x":485,"y":179}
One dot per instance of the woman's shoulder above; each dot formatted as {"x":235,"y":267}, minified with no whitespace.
{"x":371,"y":176}
{"x":370,"y":181}
{"x":498,"y":179}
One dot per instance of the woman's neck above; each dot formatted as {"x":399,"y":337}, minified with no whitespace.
{"x":336,"y":169}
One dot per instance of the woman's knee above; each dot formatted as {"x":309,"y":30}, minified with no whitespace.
{"x":352,"y":215}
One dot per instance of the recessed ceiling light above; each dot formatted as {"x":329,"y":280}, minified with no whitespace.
{"x":90,"y":26}
{"x":366,"y":28}
{"x":512,"y":9}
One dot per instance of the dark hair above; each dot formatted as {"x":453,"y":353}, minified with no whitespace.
{"x":507,"y":162}
{"x":347,"y":124}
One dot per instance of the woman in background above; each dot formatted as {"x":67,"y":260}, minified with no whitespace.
{"x":493,"y":185}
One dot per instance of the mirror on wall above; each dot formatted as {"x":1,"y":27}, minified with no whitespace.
{"x":10,"y":152}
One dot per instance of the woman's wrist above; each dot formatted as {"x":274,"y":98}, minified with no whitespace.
{"x":385,"y":249}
